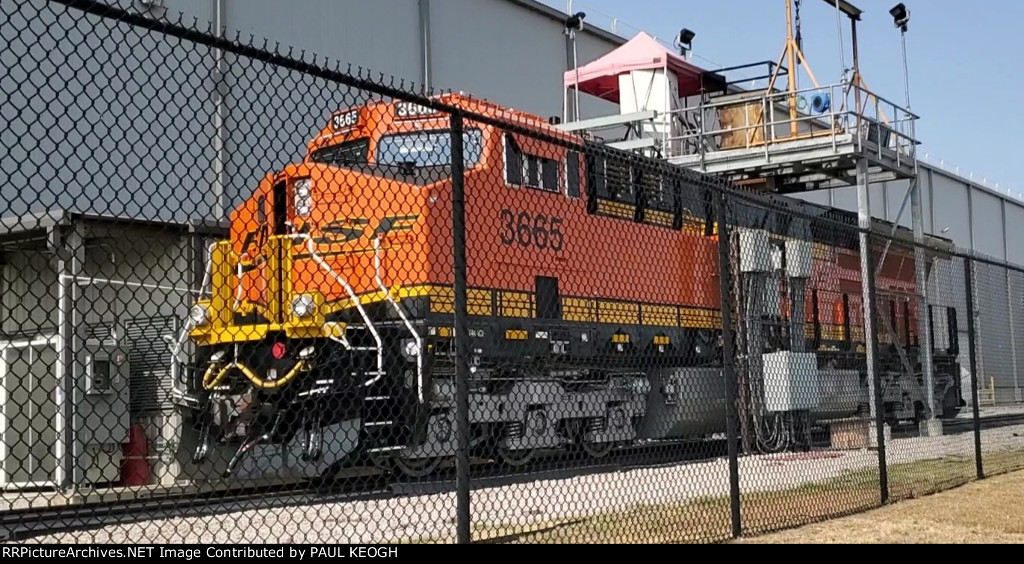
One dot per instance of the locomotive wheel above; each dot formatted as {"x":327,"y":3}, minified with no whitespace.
{"x":516,"y":458}
{"x":408,"y":467}
{"x":416,"y":467}
{"x":597,"y":450}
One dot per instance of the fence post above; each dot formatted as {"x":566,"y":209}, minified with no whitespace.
{"x":461,"y":335}
{"x":728,"y":361}
{"x":883,"y":467}
{"x":971,"y":348}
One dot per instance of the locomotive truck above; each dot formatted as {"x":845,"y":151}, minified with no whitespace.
{"x":325,"y":333}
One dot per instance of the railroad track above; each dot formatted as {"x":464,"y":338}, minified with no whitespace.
{"x":22,"y":524}
{"x":27,"y":523}
{"x":966,"y":425}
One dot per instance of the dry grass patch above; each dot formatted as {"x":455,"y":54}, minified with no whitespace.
{"x":985,"y":512}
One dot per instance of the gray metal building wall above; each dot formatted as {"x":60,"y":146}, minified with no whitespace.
{"x":57,"y":118}
{"x":200,"y":140}
{"x":203,"y":132}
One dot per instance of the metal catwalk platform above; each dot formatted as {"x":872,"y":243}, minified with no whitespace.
{"x":819,"y":161}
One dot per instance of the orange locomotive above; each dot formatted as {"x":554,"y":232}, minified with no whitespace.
{"x":594,"y":300}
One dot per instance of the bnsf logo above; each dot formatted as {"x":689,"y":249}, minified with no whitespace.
{"x":337,"y":232}
{"x":348,"y":229}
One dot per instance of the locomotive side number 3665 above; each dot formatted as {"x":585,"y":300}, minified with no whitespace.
{"x":531,"y":230}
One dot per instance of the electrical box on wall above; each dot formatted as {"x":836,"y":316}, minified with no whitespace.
{"x":755,"y":251}
{"x":103,"y":371}
{"x":102,"y":414}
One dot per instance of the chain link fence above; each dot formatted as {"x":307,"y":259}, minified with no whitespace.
{"x":252,"y":296}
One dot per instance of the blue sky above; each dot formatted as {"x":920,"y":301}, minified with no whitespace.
{"x":966,"y":66}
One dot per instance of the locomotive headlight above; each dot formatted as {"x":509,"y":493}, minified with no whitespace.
{"x":303,"y":199}
{"x":303,"y":306}
{"x":199,"y":315}
{"x":410,"y":350}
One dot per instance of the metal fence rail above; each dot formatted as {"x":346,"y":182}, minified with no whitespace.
{"x":393,"y":316}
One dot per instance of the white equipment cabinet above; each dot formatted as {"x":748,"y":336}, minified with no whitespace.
{"x":32,"y":416}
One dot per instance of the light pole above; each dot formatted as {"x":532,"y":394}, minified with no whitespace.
{"x":901,"y":18}
{"x":573,"y":24}
{"x":931,"y":426}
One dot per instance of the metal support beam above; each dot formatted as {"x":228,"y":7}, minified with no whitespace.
{"x":847,"y":8}
{"x":462,"y":348}
{"x":633,"y":144}
{"x":425,"y":42}
{"x":69,"y":245}
{"x":608,"y":121}
{"x":932,"y":426}
{"x":864,"y":222}
{"x":220,"y":91}
{"x":895,"y":223}
{"x":1011,"y":305}
{"x":798,"y":299}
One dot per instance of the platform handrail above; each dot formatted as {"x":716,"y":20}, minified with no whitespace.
{"x":401,"y":313}
{"x":310,"y":247}
{"x":844,"y":116}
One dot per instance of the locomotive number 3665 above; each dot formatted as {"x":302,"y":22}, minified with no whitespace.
{"x":531,"y":230}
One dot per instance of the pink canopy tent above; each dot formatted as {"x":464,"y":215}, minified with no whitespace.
{"x":600,"y":78}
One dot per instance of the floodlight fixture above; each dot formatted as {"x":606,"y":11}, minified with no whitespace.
{"x":575,"y":21}
{"x":685,"y":40}
{"x":900,"y":16}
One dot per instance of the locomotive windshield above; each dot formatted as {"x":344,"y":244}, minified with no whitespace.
{"x":428,"y":148}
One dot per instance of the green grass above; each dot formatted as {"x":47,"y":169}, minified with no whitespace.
{"x":707,"y":519}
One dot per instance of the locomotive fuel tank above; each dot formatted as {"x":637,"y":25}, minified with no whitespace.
{"x":685,"y":402}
